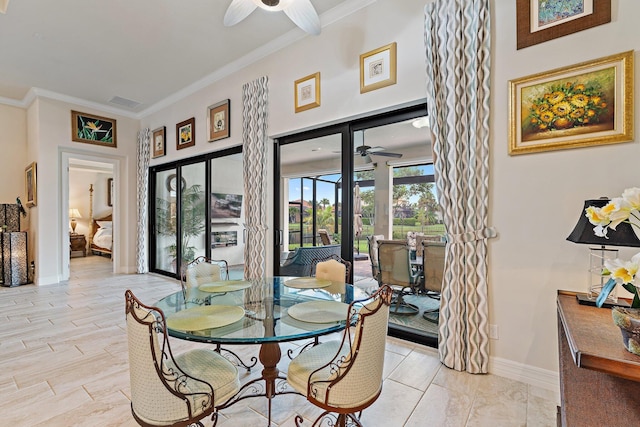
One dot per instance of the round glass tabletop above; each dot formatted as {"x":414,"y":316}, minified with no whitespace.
{"x":266,"y":319}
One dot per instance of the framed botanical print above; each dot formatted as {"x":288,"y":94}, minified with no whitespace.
{"x":218,"y":120}
{"x":540,"y":21}
{"x":307,"y":92}
{"x":186,"y":133}
{"x":31,"y":185}
{"x":92,"y":129}
{"x":158,"y":142}
{"x":378,"y":68}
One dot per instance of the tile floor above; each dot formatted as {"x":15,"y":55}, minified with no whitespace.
{"x":63,"y":362}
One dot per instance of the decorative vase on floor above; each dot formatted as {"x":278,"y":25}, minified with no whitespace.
{"x":628,"y":320}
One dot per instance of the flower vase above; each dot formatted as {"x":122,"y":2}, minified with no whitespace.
{"x":628,"y":320}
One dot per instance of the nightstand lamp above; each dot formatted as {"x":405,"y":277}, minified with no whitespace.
{"x":623,"y":235}
{"x":73,"y":214}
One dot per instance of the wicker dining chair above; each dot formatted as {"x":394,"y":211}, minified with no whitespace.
{"x":344,"y":377}
{"x":167,"y":390}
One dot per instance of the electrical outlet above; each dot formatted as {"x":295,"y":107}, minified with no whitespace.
{"x":493,"y":332}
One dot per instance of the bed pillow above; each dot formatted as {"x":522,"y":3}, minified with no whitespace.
{"x":104,"y":224}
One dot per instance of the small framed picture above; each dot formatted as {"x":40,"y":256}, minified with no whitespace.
{"x":581,"y":105}
{"x":30,"y":185}
{"x":218,"y":120}
{"x":307,"y":92}
{"x":109,"y":192}
{"x":378,"y":68}
{"x":186,"y":133}
{"x":541,"y":21}
{"x":92,"y":129}
{"x":159,"y":142}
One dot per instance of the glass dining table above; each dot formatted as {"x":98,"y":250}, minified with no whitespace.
{"x":266,"y":312}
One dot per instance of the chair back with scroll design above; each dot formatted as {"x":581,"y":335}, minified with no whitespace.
{"x":162,"y":393}
{"x":204,"y":270}
{"x":345,"y":377}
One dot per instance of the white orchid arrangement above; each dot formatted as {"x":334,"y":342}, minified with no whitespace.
{"x":622,"y":272}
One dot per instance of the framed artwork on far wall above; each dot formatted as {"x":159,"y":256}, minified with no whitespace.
{"x":219,"y":120}
{"x":109,"y":192}
{"x":92,"y":129}
{"x":159,"y":142}
{"x":541,"y":21}
{"x":378,"y":68}
{"x":307,"y":92}
{"x":586,"y":104}
{"x":30,"y":183}
{"x":186,"y":133}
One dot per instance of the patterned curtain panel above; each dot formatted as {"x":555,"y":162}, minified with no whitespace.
{"x":457,"y":39}
{"x":144,"y":137}
{"x":254,"y":139}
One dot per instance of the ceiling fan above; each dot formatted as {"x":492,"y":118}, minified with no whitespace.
{"x":301,"y":12}
{"x":365,"y":150}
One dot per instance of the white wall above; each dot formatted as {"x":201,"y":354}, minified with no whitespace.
{"x":13,"y":153}
{"x":536,"y":199}
{"x":50,"y":123}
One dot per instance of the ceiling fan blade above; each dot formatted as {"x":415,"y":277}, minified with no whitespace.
{"x":374,"y":149}
{"x":3,"y":6}
{"x":386,"y":154}
{"x":237,"y":11}
{"x":302,"y":13}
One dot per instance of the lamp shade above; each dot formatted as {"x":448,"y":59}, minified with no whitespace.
{"x":74,"y":213}
{"x":623,"y":235}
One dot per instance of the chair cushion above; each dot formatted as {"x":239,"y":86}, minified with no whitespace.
{"x":308,"y":361}
{"x":209,"y":366}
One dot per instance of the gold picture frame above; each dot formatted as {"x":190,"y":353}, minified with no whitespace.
{"x":219,"y":120}
{"x":553,"y":22}
{"x":307,"y":92}
{"x":586,"y":104}
{"x":186,"y":134}
{"x":30,"y":183}
{"x":378,"y":68}
{"x":159,"y":142}
{"x":92,"y":129}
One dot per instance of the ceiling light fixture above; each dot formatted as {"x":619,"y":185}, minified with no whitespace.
{"x":421,"y":122}
{"x":301,"y":12}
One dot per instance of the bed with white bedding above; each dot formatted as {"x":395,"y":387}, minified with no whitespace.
{"x":102,"y":241}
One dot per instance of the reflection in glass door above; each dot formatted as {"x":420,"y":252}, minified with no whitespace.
{"x":193,"y":212}
{"x":165,"y":220}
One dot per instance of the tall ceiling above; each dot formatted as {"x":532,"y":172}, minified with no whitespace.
{"x":139,"y":50}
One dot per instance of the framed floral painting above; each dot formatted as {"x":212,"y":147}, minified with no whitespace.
{"x":218,"y":120}
{"x":186,"y":133}
{"x":378,"y":68}
{"x":307,"y":92}
{"x":590,"y":103}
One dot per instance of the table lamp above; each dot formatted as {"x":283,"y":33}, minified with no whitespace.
{"x":623,"y":235}
{"x":73,"y":214}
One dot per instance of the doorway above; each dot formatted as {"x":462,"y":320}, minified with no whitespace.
{"x":89,"y":196}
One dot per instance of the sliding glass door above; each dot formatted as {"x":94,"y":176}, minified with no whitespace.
{"x":342,"y":184}
{"x":196,"y":207}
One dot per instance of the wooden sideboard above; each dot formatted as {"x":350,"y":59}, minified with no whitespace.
{"x":599,"y":378}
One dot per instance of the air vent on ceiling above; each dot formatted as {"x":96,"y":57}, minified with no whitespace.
{"x":129,"y":103}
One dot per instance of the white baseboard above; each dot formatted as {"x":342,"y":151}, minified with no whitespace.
{"x":543,"y":378}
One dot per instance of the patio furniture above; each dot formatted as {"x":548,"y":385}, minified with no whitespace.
{"x":433,"y":271}
{"x":299,"y":262}
{"x":395,"y":270}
